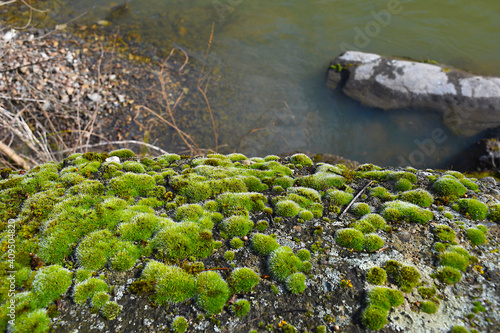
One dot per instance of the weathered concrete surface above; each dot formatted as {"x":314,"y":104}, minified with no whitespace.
{"x":468,"y":103}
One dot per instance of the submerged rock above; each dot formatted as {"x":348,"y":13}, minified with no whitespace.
{"x":468,"y":103}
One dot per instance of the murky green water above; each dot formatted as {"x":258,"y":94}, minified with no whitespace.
{"x":269,"y":60}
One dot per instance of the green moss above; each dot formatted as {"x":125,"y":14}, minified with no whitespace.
{"x":469,"y":184}
{"x":142,"y":226}
{"x":122,"y":153}
{"x":50,"y":283}
{"x":426,"y":293}
{"x":476,"y":236}
{"x":229,"y":255}
{"x":212,"y":292}
{"x":418,"y":197}
{"x":474,"y":208}
{"x":110,"y":310}
{"x":306,"y":215}
{"x":448,"y":275}
{"x":478,"y":307}
{"x":444,"y":233}
{"x":182,"y":241}
{"x":240,"y":203}
{"x":283,"y":263}
{"x":459,"y":329}
{"x":338,"y":197}
{"x":377,"y":221}
{"x":261,"y":225}
{"x":301,"y":159}
{"x":87,"y":289}
{"x":448,"y":215}
{"x":494,"y":214}
{"x":428,"y":307}
{"x":304,"y":254}
{"x":373,"y":243}
{"x":351,"y":238}
{"x":131,"y":185}
{"x":174,"y":285}
{"x":179,"y":324}
{"x":360,"y":209}
{"x":263,"y":245}
{"x":406,"y":277}
{"x":125,"y":257}
{"x":243,"y":280}
{"x":449,"y":187}
{"x":287,"y":208}
{"x":99,"y":299}
{"x":376,"y":275}
{"x":321,"y":181}
{"x":363,"y":226}
{"x":374,"y":318}
{"x":36,"y":321}
{"x":236,"y":226}
{"x":131,"y":166}
{"x":403,"y":185}
{"x":454,"y":259}
{"x":296,"y":283}
{"x":395,"y":211}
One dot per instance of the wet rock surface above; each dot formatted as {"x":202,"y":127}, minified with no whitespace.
{"x":468,"y":103}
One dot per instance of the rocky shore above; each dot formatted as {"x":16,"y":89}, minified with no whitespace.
{"x":225,"y":243}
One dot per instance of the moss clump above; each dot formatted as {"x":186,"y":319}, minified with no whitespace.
{"x":426,"y":293}
{"x":372,"y":242}
{"x":382,"y":193}
{"x":459,"y":329}
{"x":338,"y":197}
{"x":306,"y":215}
{"x":448,"y":215}
{"x":403,"y":185}
{"x":235,"y":226}
{"x":240,"y":203}
{"x":287,"y":208}
{"x":236,"y":243}
{"x":131,"y":185}
{"x":363,"y":226}
{"x":494,"y":214}
{"x":301,"y":159}
{"x":131,"y":166}
{"x":428,"y":307}
{"x":469,"y":184}
{"x":50,"y":283}
{"x":283,"y":263}
{"x":444,"y":233}
{"x":182,"y":241}
{"x":351,"y":238}
{"x":36,"y":321}
{"x":111,"y":310}
{"x":99,"y":299}
{"x":380,"y":301}
{"x":449,"y":186}
{"x":454,"y":259}
{"x":240,"y":307}
{"x":360,"y":209}
{"x":375,"y":220}
{"x":406,"y":277}
{"x":418,"y":197}
{"x":242,"y":280}
{"x":476,"y":236}
{"x":474,"y":208}
{"x":296,"y":283}
{"x":262,"y":225}
{"x":263,"y":245}
{"x":179,"y":324}
{"x":174,"y":285}
{"x":304,"y":254}
{"x":376,"y":275}
{"x":229,"y":255}
{"x":190,"y":212}
{"x":395,"y":211}
{"x":87,"y":289}
{"x":448,"y":275}
{"x":122,"y":153}
{"x":321,"y":181}
{"x":212,"y":292}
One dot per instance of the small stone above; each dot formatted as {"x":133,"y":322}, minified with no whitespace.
{"x":115,"y":159}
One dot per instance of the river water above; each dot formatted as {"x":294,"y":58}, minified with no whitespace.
{"x":268,"y":61}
